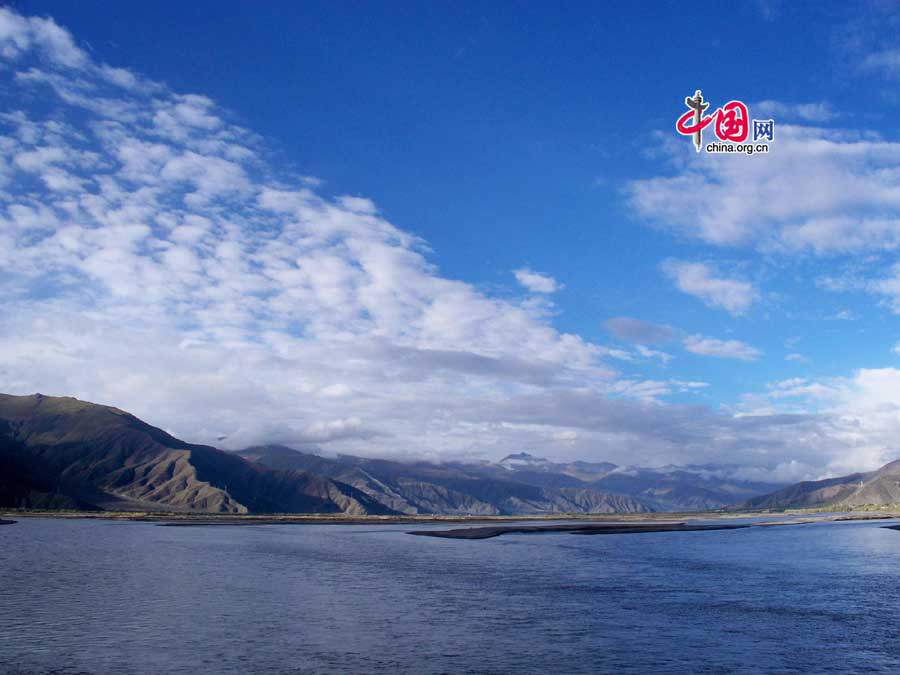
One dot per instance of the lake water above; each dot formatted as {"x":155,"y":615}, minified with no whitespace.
{"x":117,"y":598}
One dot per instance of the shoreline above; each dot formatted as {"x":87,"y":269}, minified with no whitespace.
{"x":472,"y":533}
{"x":198,"y":519}
{"x":608,"y":519}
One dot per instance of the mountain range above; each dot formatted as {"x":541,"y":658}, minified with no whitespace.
{"x":63,"y":453}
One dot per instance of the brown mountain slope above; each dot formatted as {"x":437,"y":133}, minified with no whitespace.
{"x":881,"y":487}
{"x":66,"y":452}
{"x":876,"y":488}
{"x":808,"y":494}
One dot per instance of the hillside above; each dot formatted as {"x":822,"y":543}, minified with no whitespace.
{"x":876,"y":488}
{"x":66,"y":453}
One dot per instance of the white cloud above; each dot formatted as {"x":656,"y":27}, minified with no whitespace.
{"x":689,"y":386}
{"x":210,"y":176}
{"x":648,"y":353}
{"x":807,"y":112}
{"x":119,"y":76}
{"x":699,"y":280}
{"x":860,"y":418}
{"x":535,"y":282}
{"x":204,"y":288}
{"x":724,"y":349}
{"x":886,"y":62}
{"x":336,"y":390}
{"x":802,"y":387}
{"x":18,"y":34}
{"x":886,"y":285}
{"x":826,"y":191}
{"x":198,"y":284}
{"x":620,"y":354}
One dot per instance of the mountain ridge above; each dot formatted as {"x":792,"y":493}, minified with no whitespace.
{"x":60,"y":452}
{"x":664,"y":489}
{"x":453,"y":488}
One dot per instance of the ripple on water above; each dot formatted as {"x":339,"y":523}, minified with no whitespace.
{"x":101,"y":597}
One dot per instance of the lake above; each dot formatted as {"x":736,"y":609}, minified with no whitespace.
{"x":107,"y":597}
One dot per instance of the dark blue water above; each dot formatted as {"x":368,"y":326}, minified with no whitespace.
{"x":121,"y":597}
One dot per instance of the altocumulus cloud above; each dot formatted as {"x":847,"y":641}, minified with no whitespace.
{"x":726,"y":349}
{"x":701,"y":281}
{"x":536,"y":282}
{"x":155,"y":257}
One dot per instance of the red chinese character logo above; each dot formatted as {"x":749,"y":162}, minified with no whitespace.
{"x":699,"y":123}
{"x":732,"y":122}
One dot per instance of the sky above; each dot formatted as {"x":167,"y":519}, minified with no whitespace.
{"x":459,"y":230}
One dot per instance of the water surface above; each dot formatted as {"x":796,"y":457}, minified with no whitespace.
{"x":105,"y":597}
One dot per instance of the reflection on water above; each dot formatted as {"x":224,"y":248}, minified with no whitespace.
{"x":119,"y":597}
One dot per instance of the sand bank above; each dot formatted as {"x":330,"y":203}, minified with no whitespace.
{"x":606,"y":528}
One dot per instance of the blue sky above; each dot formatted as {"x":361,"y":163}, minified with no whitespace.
{"x":459,"y":229}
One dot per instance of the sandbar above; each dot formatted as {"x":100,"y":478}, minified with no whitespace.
{"x":575,"y":528}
